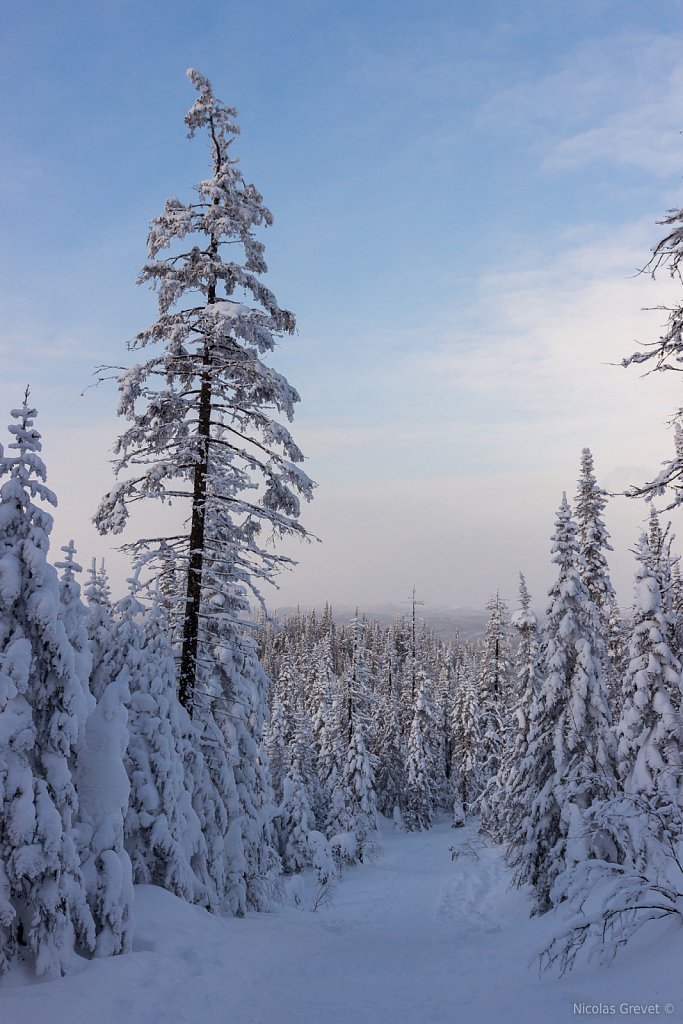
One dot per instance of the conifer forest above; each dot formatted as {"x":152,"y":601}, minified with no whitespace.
{"x":197,"y":794}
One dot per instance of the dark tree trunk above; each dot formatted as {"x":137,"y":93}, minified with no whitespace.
{"x":188,"y":660}
{"x":190,"y":652}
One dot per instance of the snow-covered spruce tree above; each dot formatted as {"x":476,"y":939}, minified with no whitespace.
{"x":570,"y":758}
{"x":102,"y":780}
{"x":677,"y":606}
{"x":593,"y":540}
{"x":202,"y":431}
{"x":162,"y":829}
{"x":281,"y":726}
{"x":43,"y":907}
{"x":419,"y":800}
{"x":199,"y":409}
{"x":466,"y":774}
{"x":390,"y":779}
{"x":301,"y":844}
{"x":99,"y":625}
{"x":617,"y":654}
{"x":494,"y":680}
{"x":443,"y":746}
{"x":661,"y":562}
{"x":510,"y":802}
{"x":358,"y":682}
{"x":74,"y":615}
{"x":649,"y":730}
{"x":354,"y":801}
{"x":103,"y":791}
{"x":99,"y":769}
{"x":353,"y":806}
{"x":494,"y":684}
{"x":644,"y":882}
{"x":297,"y":820}
{"x":234,"y":688}
{"x":307,"y":756}
{"x":326,"y":721}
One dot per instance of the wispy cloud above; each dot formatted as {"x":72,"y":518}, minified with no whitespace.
{"x":617,"y":99}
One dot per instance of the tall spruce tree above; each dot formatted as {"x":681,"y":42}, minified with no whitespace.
{"x":465,"y":723}
{"x":593,"y":539}
{"x":570,"y":758}
{"x":43,"y":908}
{"x":421,"y":784}
{"x":199,"y":410}
{"x":494,"y":684}
{"x":509,"y":805}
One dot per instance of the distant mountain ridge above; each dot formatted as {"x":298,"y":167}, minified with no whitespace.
{"x":469,"y":623}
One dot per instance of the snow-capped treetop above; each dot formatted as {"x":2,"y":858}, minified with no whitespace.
{"x":27,"y":481}
{"x":523,"y":617}
{"x":74,"y":615}
{"x":97,"y":590}
{"x":69,"y":565}
{"x":593,"y":536}
{"x":496,"y":656}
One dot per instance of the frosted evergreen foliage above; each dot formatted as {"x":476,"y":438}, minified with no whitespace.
{"x":43,"y":908}
{"x":615,"y":898}
{"x":163,"y":832}
{"x":358,"y":683}
{"x":305,"y":753}
{"x":103,"y":790}
{"x":354,"y":804}
{"x":301,"y":844}
{"x":327,"y":730}
{"x":442,"y":744}
{"x":618,"y":657}
{"x":494,"y":685}
{"x":74,"y":615}
{"x":278,"y":737}
{"x":570,"y":757}
{"x":661,"y":562}
{"x":199,"y":407}
{"x":210,"y":780}
{"x":103,"y":780}
{"x":234,"y":690}
{"x":593,"y":539}
{"x":466,"y":774}
{"x":419,"y":802}
{"x":677,"y":607}
{"x":99,"y":625}
{"x":649,"y":733}
{"x":282,"y":723}
{"x":391,"y":758}
{"x":511,"y":796}
{"x":297,"y":820}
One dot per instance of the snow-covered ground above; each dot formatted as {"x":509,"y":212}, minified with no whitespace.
{"x":414,"y":938}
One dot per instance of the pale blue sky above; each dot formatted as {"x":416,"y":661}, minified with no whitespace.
{"x":461,"y":194}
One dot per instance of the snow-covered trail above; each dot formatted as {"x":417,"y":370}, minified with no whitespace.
{"x":411,"y":939}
